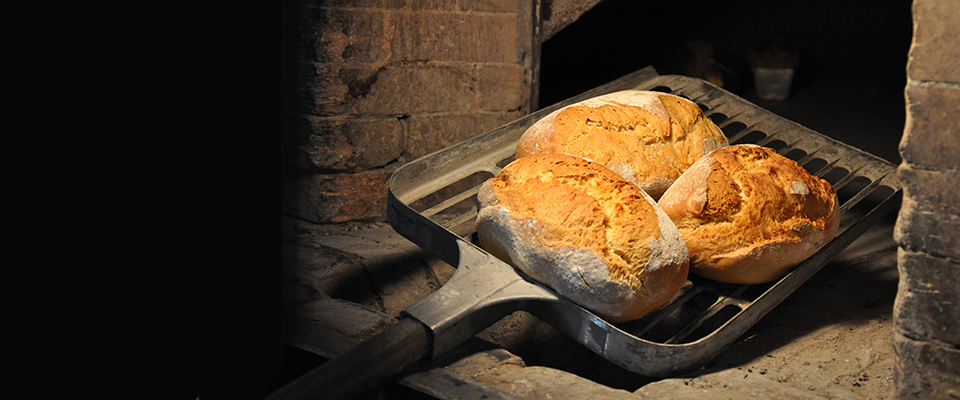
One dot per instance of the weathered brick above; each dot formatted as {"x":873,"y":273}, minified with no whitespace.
{"x":499,"y":370}
{"x":926,"y":306}
{"x":932,"y":126}
{"x":449,"y":5}
{"x":338,"y":35}
{"x":345,"y":144}
{"x":925,"y":370}
{"x":427,"y":134}
{"x":419,"y":88}
{"x":510,"y":6}
{"x":390,"y":90}
{"x":501,"y":87}
{"x":320,"y":89}
{"x":319,"y":272}
{"x":931,"y":191}
{"x":442,"y":36}
{"x":337,"y":198}
{"x":929,"y":232}
{"x":344,"y":317}
{"x":360,"y":73}
{"x":935,"y":53}
{"x":732,"y":383}
{"x":557,"y":14}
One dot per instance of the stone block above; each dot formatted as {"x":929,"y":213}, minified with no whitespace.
{"x":932,"y":126}
{"x":448,"y":5}
{"x":501,"y":88}
{"x":535,"y":382}
{"x":937,"y":233}
{"x":731,"y":383}
{"x":343,"y":35}
{"x":344,"y":317}
{"x":397,"y":90}
{"x":557,"y":14}
{"x":320,"y":89}
{"x":345,"y":144}
{"x":420,"y":88}
{"x":427,"y":134}
{"x":475,"y":357}
{"x":442,"y":36}
{"x":314,"y":272}
{"x":931,"y":191}
{"x":926,"y":305}
{"x":503,"y":6}
{"x":935,"y":52}
{"x":400,"y":272}
{"x":391,"y":90}
{"x":337,"y":198}
{"x":925,"y":370}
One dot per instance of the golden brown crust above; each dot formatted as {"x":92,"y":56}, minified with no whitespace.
{"x":748,"y":214}
{"x":649,"y":138}
{"x":584,"y":231}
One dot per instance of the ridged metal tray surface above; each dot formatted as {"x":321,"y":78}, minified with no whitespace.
{"x":432,"y":202}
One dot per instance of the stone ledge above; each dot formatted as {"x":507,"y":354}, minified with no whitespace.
{"x":926,"y":370}
{"x":931,"y":190}
{"x":336,"y":198}
{"x":936,"y":233}
{"x":723,"y":384}
{"x":934,"y":53}
{"x":926,"y":305}
{"x":841,"y":351}
{"x":929,"y":136}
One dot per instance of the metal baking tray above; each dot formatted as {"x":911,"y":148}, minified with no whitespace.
{"x":432,"y":202}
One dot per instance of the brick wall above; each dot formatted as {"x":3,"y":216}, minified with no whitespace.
{"x":927,"y":309}
{"x":368,"y":85}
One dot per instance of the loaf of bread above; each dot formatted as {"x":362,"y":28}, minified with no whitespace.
{"x":584,"y":231}
{"x":749,"y":215}
{"x":647,"y":137}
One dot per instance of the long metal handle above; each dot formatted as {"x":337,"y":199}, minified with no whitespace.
{"x":481,"y":292}
{"x":363,"y":367}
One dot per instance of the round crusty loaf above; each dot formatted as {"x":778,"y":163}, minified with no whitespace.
{"x":584,"y":231}
{"x":748,"y":214}
{"x":647,"y":137}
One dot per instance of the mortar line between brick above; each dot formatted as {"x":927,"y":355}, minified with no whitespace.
{"x":927,"y":168}
{"x":914,"y":206}
{"x":927,"y":254}
{"x":925,"y":83}
{"x":931,"y":341}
